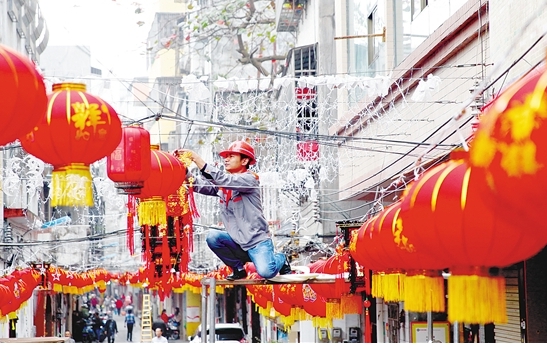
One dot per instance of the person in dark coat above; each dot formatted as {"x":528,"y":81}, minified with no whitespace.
{"x":97,"y":326}
{"x":111,"y":328}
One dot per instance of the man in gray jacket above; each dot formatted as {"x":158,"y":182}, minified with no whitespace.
{"x":247,"y":236}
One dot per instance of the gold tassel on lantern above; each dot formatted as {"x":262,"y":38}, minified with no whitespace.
{"x":351,"y":304}
{"x":376,"y":285}
{"x":388,"y":285}
{"x":71,"y":186}
{"x":476,"y":297}
{"x":424,"y":291}
{"x":333,"y":309}
{"x":152,"y":211}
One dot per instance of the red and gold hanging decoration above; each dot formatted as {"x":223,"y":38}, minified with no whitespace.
{"x":128,"y":166}
{"x":24,"y":98}
{"x":464,"y":233}
{"x":339,"y":299}
{"x":180,"y":215}
{"x":158,"y":239}
{"x":373,"y":246}
{"x":509,"y":151}
{"x":15,"y":290}
{"x":77,"y":130}
{"x":166,"y":176}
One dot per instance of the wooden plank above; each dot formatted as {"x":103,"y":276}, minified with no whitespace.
{"x":507,"y":328}
{"x":254,"y":282}
{"x":511,"y":289}
{"x":34,"y":340}
{"x":508,"y":338}
{"x":512,"y":281}
{"x":512,"y":304}
{"x":513,"y":312}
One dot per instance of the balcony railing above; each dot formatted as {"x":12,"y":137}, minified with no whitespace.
{"x":290,"y":16}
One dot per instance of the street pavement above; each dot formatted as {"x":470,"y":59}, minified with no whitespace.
{"x":121,"y":337}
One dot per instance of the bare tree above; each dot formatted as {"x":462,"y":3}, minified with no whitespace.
{"x":246,"y":26}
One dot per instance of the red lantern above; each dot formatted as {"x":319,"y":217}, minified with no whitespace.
{"x":314,"y":304}
{"x":77,"y":130}
{"x":290,"y":293}
{"x":448,"y":217}
{"x":130,"y":163}
{"x":166,"y":176}
{"x":24,"y":98}
{"x":374,"y":246}
{"x":338,"y":297}
{"x":509,"y":151}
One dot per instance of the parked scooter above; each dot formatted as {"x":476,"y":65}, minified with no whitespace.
{"x":173,"y":332}
{"x":88,"y":334}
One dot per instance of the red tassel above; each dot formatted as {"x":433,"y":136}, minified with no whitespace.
{"x":192,"y":202}
{"x":165,"y":255}
{"x":131,"y":206}
{"x":188,"y":224}
{"x":147,"y":254}
{"x":178,"y":233}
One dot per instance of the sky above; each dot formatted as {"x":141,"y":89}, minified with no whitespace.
{"x":115,"y":30}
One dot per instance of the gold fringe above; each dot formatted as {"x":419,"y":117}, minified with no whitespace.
{"x":351,"y":304}
{"x":334,"y":309}
{"x":287,"y":321}
{"x":152,"y":211}
{"x":476,"y":299}
{"x":392,"y":284}
{"x":424,"y":293}
{"x":376,"y":285}
{"x":71,"y":186}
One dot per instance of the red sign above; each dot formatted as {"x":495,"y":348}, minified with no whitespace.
{"x":14,"y":213}
{"x":304,"y":93}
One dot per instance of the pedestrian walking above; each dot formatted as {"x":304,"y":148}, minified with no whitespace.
{"x":111,"y":329}
{"x":129,"y":323}
{"x":119,"y":304}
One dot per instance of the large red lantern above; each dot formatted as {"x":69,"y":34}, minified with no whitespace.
{"x":24,"y":98}
{"x":509,"y":151}
{"x":444,"y":213}
{"x":77,"y":130}
{"x":130,"y":163}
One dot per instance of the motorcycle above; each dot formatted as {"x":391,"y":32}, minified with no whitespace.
{"x":172,"y":330}
{"x":89,"y":335}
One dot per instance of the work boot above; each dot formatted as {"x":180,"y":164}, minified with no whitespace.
{"x":237,"y":275}
{"x":286,"y":268}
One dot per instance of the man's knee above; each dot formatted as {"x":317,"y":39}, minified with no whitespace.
{"x":214,"y":237}
{"x":266,"y":271}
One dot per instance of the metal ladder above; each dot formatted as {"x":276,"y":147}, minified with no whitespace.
{"x":146,"y":319}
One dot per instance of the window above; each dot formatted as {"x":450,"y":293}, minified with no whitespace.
{"x":305,"y":64}
{"x":305,"y":60}
{"x":374,"y":27}
{"x":417,"y":6}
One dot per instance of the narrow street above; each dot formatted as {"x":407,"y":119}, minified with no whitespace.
{"x":121,"y":337}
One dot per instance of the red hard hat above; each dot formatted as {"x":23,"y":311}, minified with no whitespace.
{"x":240,"y":147}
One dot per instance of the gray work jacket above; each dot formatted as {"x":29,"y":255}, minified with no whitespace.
{"x":241,"y":210}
